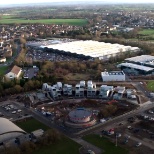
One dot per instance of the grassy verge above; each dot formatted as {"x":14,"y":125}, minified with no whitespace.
{"x":64,"y":146}
{"x":105,"y":144}
{"x":150,"y":86}
{"x":31,"y":125}
{"x":3,"y":69}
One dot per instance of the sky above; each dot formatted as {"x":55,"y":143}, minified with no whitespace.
{"x":39,"y":1}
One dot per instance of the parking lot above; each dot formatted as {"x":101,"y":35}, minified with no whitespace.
{"x":12,"y":111}
{"x":130,"y":134}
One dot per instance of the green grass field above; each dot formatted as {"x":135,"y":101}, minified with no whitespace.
{"x":64,"y":146}
{"x":150,"y":86}
{"x":105,"y":144}
{"x":3,"y":70}
{"x":147,"y":32}
{"x":13,"y":20}
{"x":31,"y":125}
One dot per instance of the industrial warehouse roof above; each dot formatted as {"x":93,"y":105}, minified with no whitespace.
{"x":7,"y":126}
{"x":92,"y":48}
{"x":141,"y":59}
{"x":135,"y":66}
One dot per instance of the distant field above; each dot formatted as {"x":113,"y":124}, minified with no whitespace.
{"x":13,"y":20}
{"x":147,"y":32}
{"x":105,"y":144}
{"x":150,"y":86}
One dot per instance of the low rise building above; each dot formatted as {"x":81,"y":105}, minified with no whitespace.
{"x":67,"y":89}
{"x":14,"y":73}
{"x":79,"y":91}
{"x":91,"y":89}
{"x":105,"y":91}
{"x":113,"y":76}
{"x":2,"y":60}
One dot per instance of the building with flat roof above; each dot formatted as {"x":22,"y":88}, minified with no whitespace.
{"x":140,"y":59}
{"x":93,"y":49}
{"x":113,"y":76}
{"x":67,"y":89}
{"x":105,"y":90}
{"x":79,"y":91}
{"x":143,"y":64}
{"x":91,"y":89}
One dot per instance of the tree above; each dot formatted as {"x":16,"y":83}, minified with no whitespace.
{"x":12,"y":150}
{"x":27,"y":147}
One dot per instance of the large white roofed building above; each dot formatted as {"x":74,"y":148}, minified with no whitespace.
{"x":92,"y":48}
{"x":9,"y":130}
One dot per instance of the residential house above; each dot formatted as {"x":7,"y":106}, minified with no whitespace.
{"x":67,"y":89}
{"x":14,"y":73}
{"x":2,"y":60}
{"x":105,"y":91}
{"x":91,"y":89}
{"x":79,"y":90}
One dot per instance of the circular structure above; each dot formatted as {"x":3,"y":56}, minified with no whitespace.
{"x":80,"y":118}
{"x":80,"y":115}
{"x":9,"y":130}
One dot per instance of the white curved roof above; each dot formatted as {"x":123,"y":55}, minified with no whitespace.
{"x":7,"y":126}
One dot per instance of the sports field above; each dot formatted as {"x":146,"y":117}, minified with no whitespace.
{"x":13,"y":20}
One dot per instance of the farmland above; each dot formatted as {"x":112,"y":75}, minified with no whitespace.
{"x":14,"y":20}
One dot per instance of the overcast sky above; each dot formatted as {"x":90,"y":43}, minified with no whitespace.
{"x":39,"y":1}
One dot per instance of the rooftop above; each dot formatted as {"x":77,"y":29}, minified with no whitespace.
{"x":141,"y":59}
{"x":91,"y":48}
{"x":16,"y":70}
{"x":112,"y":73}
{"x":135,"y":66}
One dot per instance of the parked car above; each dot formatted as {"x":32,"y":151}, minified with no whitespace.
{"x":129,"y":127}
{"x":138,"y":144}
{"x":14,"y":112}
{"x":90,"y":152}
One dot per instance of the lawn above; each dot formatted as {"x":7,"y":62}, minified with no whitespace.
{"x":105,"y":144}
{"x":3,"y":69}
{"x":13,"y":20}
{"x":150,"y":86}
{"x":147,"y":32}
{"x":31,"y":125}
{"x":64,"y":146}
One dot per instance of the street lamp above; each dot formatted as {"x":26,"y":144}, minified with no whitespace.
{"x":116,"y":141}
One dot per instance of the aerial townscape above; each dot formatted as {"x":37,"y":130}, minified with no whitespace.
{"x":76,"y":77}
